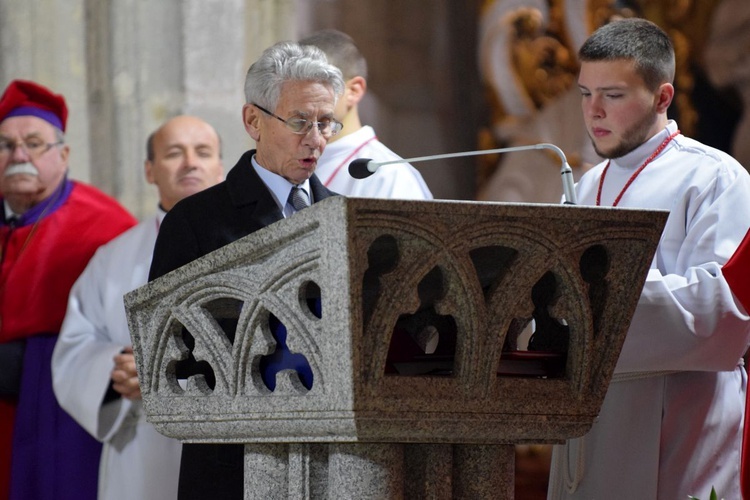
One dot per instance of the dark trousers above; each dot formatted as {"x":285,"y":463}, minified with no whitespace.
{"x":212,"y":471}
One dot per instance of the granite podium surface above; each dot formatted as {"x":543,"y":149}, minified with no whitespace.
{"x":369,"y":348}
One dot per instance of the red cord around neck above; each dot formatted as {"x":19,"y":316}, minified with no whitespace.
{"x":635,"y":174}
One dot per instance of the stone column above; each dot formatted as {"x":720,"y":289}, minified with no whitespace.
{"x":124,"y":67}
{"x":483,"y":472}
{"x":365,"y":471}
{"x":44,"y":41}
{"x":153,"y":60}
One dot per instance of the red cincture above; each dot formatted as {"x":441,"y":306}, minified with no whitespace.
{"x":635,"y":174}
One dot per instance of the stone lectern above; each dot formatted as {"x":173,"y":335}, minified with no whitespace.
{"x":370,"y":348}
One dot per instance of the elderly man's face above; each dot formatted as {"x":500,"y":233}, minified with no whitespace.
{"x":32,"y":170}
{"x":292,"y":156}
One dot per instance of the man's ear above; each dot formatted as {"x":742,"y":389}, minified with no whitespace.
{"x":148,"y":169}
{"x":251,"y":120}
{"x":664,"y":97}
{"x":65,"y":154}
{"x":355,"y":90}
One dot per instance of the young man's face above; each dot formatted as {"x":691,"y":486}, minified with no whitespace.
{"x":620,"y":112}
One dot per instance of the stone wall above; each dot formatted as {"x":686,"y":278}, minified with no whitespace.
{"x":126,"y":66}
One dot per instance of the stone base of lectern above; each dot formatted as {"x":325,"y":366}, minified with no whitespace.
{"x":343,"y":471}
{"x":370,"y":348}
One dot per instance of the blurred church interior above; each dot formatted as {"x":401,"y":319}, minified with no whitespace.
{"x":445,"y":76}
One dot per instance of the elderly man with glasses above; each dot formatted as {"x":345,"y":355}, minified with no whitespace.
{"x":49,"y":229}
{"x":291,"y":93}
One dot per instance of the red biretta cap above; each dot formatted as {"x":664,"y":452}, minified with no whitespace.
{"x":737,"y":272}
{"x":26,"y":98}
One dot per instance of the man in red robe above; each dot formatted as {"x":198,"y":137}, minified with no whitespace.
{"x":50,"y":227}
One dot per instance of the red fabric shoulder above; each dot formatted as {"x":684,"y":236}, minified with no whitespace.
{"x":42,"y":261}
{"x":737,"y":272}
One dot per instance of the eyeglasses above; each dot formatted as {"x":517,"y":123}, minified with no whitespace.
{"x":301,"y":126}
{"x":34,"y":147}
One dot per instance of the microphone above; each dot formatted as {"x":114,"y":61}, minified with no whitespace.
{"x":364,"y":167}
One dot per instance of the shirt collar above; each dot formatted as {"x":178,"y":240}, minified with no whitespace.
{"x":279,"y":186}
{"x":160,"y":213}
{"x":43,"y":208}
{"x":635,"y":158}
{"x":9,"y":214}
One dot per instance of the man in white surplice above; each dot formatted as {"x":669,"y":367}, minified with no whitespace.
{"x":671,"y":422}
{"x":93,"y":367}
{"x":398,"y":180}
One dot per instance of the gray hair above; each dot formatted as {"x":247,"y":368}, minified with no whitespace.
{"x":284,"y":62}
{"x":340,"y":50}
{"x":633,"y":39}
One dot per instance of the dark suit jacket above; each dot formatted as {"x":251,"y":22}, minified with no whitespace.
{"x":213,"y":218}
{"x":195,"y":226}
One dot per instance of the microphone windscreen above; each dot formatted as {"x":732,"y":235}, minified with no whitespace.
{"x":358,"y":168}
